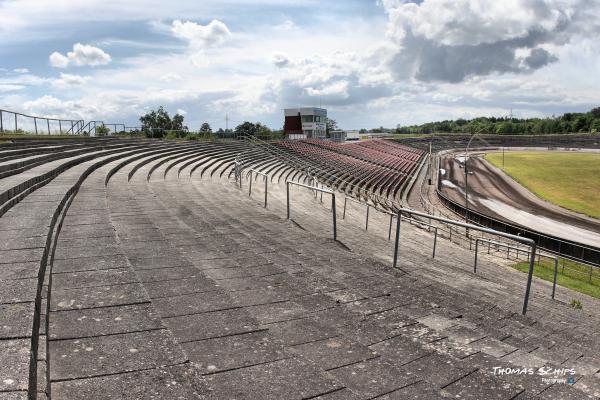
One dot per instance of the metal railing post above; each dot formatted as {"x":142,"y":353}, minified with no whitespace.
{"x":334,"y":215}
{"x":1,"y":123}
{"x":287,"y":190}
{"x":434,"y":241}
{"x":266,"y":190}
{"x":344,"y":213}
{"x":476,"y":251}
{"x":397,"y":242}
{"x":367,"y":221}
{"x":555,"y":274}
{"x":529,"y":276}
{"x":390,"y":228}
{"x":35,"y":125}
{"x":250,"y":186}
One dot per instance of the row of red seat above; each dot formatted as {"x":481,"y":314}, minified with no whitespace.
{"x":355,"y":167}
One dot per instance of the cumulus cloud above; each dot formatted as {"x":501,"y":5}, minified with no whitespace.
{"x":81,"y":55}
{"x":212,"y":34}
{"x":451,"y":40}
{"x":170,"y":77}
{"x":339,"y":79}
{"x":280,"y":60}
{"x":70,"y":80}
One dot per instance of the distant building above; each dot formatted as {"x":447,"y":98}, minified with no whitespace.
{"x":343,"y":135}
{"x":305,"y":123}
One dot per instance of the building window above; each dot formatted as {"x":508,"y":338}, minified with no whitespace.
{"x":307,"y":118}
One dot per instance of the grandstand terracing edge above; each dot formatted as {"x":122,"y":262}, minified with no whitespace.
{"x":140,"y":269}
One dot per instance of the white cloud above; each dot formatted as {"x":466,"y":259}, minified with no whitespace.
{"x":170,"y":77}
{"x":8,"y":87}
{"x":201,"y":36}
{"x":21,"y":70}
{"x":57,"y":60}
{"x":81,"y":55}
{"x":452,"y":40}
{"x":286,"y":25}
{"x":181,"y":111}
{"x":280,"y":60}
{"x":70,"y":80}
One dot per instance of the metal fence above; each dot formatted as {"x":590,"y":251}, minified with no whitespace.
{"x":563,"y":248}
{"x":12,"y":122}
{"x":15,"y":123}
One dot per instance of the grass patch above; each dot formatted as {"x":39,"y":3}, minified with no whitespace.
{"x":574,"y":276}
{"x":570,"y":180}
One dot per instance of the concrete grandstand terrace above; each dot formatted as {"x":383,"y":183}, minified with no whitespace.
{"x":159,"y":284}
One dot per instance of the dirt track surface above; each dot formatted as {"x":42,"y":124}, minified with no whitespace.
{"x":494,"y":193}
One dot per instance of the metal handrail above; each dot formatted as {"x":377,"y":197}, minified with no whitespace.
{"x":530,"y":242}
{"x":541,"y":235}
{"x":266,"y":178}
{"x":331,"y":192}
{"x":346,"y":198}
{"x":305,"y":166}
{"x":74,"y":122}
{"x":555,"y":258}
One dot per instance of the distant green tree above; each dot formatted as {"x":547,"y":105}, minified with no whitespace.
{"x":102,"y":130}
{"x":155,"y":123}
{"x":205,"y":128}
{"x":245,"y":129}
{"x":330,"y":125}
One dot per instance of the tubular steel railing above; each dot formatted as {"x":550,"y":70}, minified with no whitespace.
{"x":35,"y":124}
{"x":508,"y":248}
{"x":250,"y":173}
{"x":530,"y":242}
{"x":331,"y":192}
{"x":307,"y":169}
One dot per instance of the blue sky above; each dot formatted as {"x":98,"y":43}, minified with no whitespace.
{"x":370,"y":63}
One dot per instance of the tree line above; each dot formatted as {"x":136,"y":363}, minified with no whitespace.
{"x":587,"y":122}
{"x":159,"y":124}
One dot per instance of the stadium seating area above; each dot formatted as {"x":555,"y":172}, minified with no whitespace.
{"x":358,"y":168}
{"x":138,"y":269}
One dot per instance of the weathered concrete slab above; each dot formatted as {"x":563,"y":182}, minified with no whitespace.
{"x":374,"y":377}
{"x":178,"y":287}
{"x":236,"y":351}
{"x":14,"y":368}
{"x":20,"y":290}
{"x":84,"y":279}
{"x":103,"y":321}
{"x":211,"y":324}
{"x":334,"y":352}
{"x":193,"y":303}
{"x":301,"y":331}
{"x":481,"y":386}
{"x":90,"y":264}
{"x":113,"y":354}
{"x":16,"y":320}
{"x":100,"y":296}
{"x":20,"y":395}
{"x":290,"y":378}
{"x":177,"y":382}
{"x":165,"y":274}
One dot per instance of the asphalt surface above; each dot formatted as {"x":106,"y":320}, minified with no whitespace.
{"x":494,"y":193}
